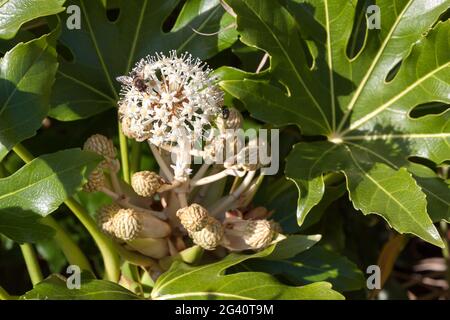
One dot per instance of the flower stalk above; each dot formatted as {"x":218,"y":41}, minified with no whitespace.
{"x":32,"y":263}
{"x":4,"y":295}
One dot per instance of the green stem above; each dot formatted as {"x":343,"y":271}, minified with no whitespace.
{"x":29,"y":255}
{"x":23,"y":153}
{"x":333,"y":178}
{"x":5,"y":295}
{"x":31,"y":261}
{"x":110,"y":258}
{"x":70,"y":249}
{"x":135,"y":157}
{"x":124,"y":155}
{"x":134,"y":258}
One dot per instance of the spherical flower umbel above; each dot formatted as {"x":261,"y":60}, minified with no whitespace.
{"x":165,"y":98}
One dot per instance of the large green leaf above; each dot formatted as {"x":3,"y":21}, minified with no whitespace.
{"x":104,"y":49}
{"x":293,"y":245}
{"x":210,"y":282}
{"x":26,"y":76}
{"x":316,"y":264}
{"x":436,"y":190}
{"x":46,"y":182}
{"x":361,"y":103}
{"x":55,"y":288}
{"x":23,"y":226}
{"x":14,"y":13}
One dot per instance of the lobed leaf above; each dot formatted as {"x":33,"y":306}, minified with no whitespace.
{"x":55,"y":288}
{"x":361,"y":103}
{"x":210,"y":282}
{"x":313,"y":265}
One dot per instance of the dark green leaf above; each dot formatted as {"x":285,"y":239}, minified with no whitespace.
{"x":315,"y":264}
{"x":436,"y":190}
{"x":55,"y":288}
{"x":26,"y":76}
{"x":210,"y":282}
{"x":103,"y":50}
{"x":293,"y":245}
{"x":45,"y":183}
{"x":360,"y":105}
{"x":14,"y":13}
{"x":23,"y":226}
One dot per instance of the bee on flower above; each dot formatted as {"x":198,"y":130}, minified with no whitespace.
{"x":165,"y":98}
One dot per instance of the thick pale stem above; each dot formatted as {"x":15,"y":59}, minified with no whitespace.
{"x":162,"y":164}
{"x":31,"y":261}
{"x":201,"y":172}
{"x":135,"y":258}
{"x":181,"y":192}
{"x":183,"y":199}
{"x":115,"y":182}
{"x":227,"y":202}
{"x":251,"y":191}
{"x":167,"y":187}
{"x":215,"y":177}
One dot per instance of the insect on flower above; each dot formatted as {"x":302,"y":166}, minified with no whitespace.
{"x":225,"y":112}
{"x":135,"y":80}
{"x":168,"y":98}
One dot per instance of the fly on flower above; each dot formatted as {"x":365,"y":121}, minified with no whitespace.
{"x":168,"y":98}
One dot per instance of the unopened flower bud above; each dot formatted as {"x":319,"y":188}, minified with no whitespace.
{"x":131,"y":224}
{"x":95,"y":181}
{"x":210,"y":236}
{"x":193,"y":218}
{"x":105,"y":218}
{"x":258,"y":234}
{"x":146,"y":183}
{"x":100,"y":145}
{"x":248,"y":234}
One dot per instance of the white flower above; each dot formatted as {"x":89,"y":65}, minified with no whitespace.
{"x":168,"y":97}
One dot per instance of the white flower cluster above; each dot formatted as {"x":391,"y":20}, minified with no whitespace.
{"x":166,"y":98}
